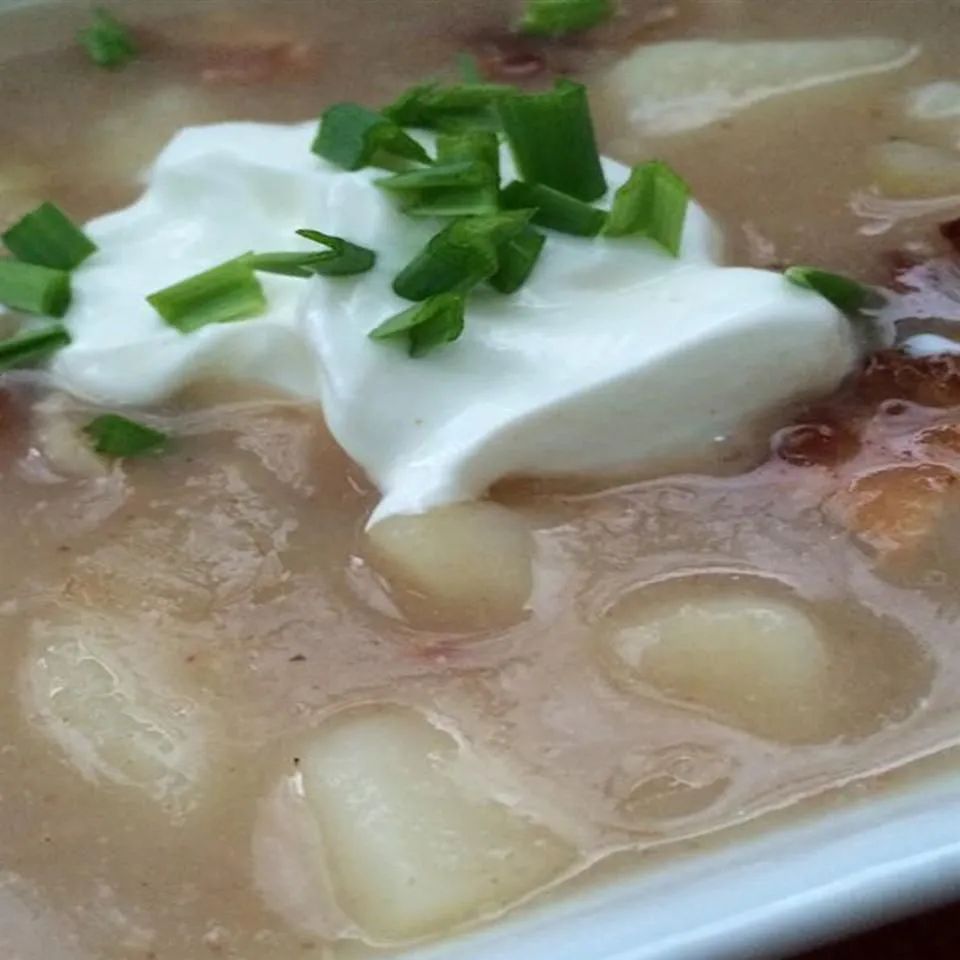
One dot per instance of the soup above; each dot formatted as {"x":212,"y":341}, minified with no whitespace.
{"x":241,"y":720}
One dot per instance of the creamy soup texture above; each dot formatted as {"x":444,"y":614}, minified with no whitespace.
{"x":240,"y":722}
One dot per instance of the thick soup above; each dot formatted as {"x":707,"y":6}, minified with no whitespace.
{"x":361,"y":585}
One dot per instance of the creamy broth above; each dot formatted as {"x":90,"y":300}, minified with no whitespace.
{"x":194,"y":640}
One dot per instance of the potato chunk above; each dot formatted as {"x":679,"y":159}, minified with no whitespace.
{"x":903,"y":169}
{"x":415,"y":841}
{"x":473,"y":560}
{"x":758,"y":662}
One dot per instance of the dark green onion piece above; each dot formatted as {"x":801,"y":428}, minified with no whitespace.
{"x":517,"y":257}
{"x":557,"y":17}
{"x":28,"y":347}
{"x":552,"y":139}
{"x":653,"y":203}
{"x":469,"y":68}
{"x":352,"y":137}
{"x":433,"y":106}
{"x":107,"y":42}
{"x":34,"y":289}
{"x":342,"y":259}
{"x":48,"y":237}
{"x":426,"y":325}
{"x":845,"y":294}
{"x":223,"y":294}
{"x":554,"y":209}
{"x":116,"y":436}
{"x":462,"y":255}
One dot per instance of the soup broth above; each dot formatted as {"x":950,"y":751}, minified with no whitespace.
{"x":222,"y":692}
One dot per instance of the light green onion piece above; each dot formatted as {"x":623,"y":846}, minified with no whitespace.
{"x":432,"y":106}
{"x":116,"y":436}
{"x":554,"y":209}
{"x":845,"y":294}
{"x":48,"y":237}
{"x":342,"y":259}
{"x":351,"y":136}
{"x":425,"y":326}
{"x":552,"y":139}
{"x":652,"y":203}
{"x":34,"y":289}
{"x":557,"y":17}
{"x":224,"y":294}
{"x":27,"y":347}
{"x":517,"y":258}
{"x":108,"y":43}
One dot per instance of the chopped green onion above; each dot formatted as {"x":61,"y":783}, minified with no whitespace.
{"x":426,"y":326}
{"x":432,"y":106}
{"x":116,"y":436}
{"x":27,"y":347}
{"x":469,"y":68}
{"x":223,"y":294}
{"x":34,"y":289}
{"x":517,"y":257}
{"x":552,"y":139}
{"x":554,"y":209}
{"x":352,"y":137}
{"x":107,"y":41}
{"x":653,"y":202}
{"x":462,"y":255}
{"x":845,"y":294}
{"x":342,"y":259}
{"x":563,"y":16}
{"x":461,"y":173}
{"x":48,"y":237}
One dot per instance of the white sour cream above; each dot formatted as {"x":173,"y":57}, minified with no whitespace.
{"x":613,"y":356}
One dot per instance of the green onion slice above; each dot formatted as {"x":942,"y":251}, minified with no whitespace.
{"x":461,"y":173}
{"x":653,"y":202}
{"x":351,"y":136}
{"x":34,"y":289}
{"x":341,"y":259}
{"x":433,"y":106}
{"x":116,"y":436}
{"x":107,"y":41}
{"x":554,"y":209}
{"x":552,"y":139}
{"x":28,"y":347}
{"x":425,"y":326}
{"x":48,"y":237}
{"x":224,"y":294}
{"x":845,"y":294}
{"x":517,"y":258}
{"x":462,"y":255}
{"x":557,"y":17}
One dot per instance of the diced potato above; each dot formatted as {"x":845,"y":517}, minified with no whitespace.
{"x":901,"y":168}
{"x":113,"y":716}
{"x":415,"y":843}
{"x":60,"y":439}
{"x":670,"y":87}
{"x":471,"y":559}
{"x":757,"y":662}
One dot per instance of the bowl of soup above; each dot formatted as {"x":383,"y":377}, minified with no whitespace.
{"x":479,"y":480}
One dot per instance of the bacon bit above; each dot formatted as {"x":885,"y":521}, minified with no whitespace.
{"x":509,"y":57}
{"x":950,"y":231}
{"x":821,"y":444}
{"x":254,"y":63}
{"x":928,"y":381}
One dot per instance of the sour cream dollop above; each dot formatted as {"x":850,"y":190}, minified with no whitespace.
{"x":613,"y":356}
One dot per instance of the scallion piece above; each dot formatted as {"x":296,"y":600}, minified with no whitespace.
{"x":34,"y":289}
{"x":107,"y":41}
{"x":653,"y":203}
{"x":28,"y":347}
{"x":552,"y":139}
{"x":433,"y":106}
{"x":556,"y":17}
{"x":116,"y":436}
{"x":341,"y":259}
{"x":517,"y":257}
{"x":351,"y":136}
{"x":462,"y":255}
{"x":845,"y":294}
{"x":224,"y":294}
{"x":554,"y":209}
{"x":48,"y":237}
{"x":425,"y":326}
{"x":461,"y":173}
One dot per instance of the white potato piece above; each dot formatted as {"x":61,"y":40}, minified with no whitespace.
{"x":415,"y":843}
{"x":904,"y":169}
{"x":112,"y":709}
{"x":59,"y":436}
{"x":472,"y":559}
{"x":683,"y":85}
{"x":757,"y":662}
